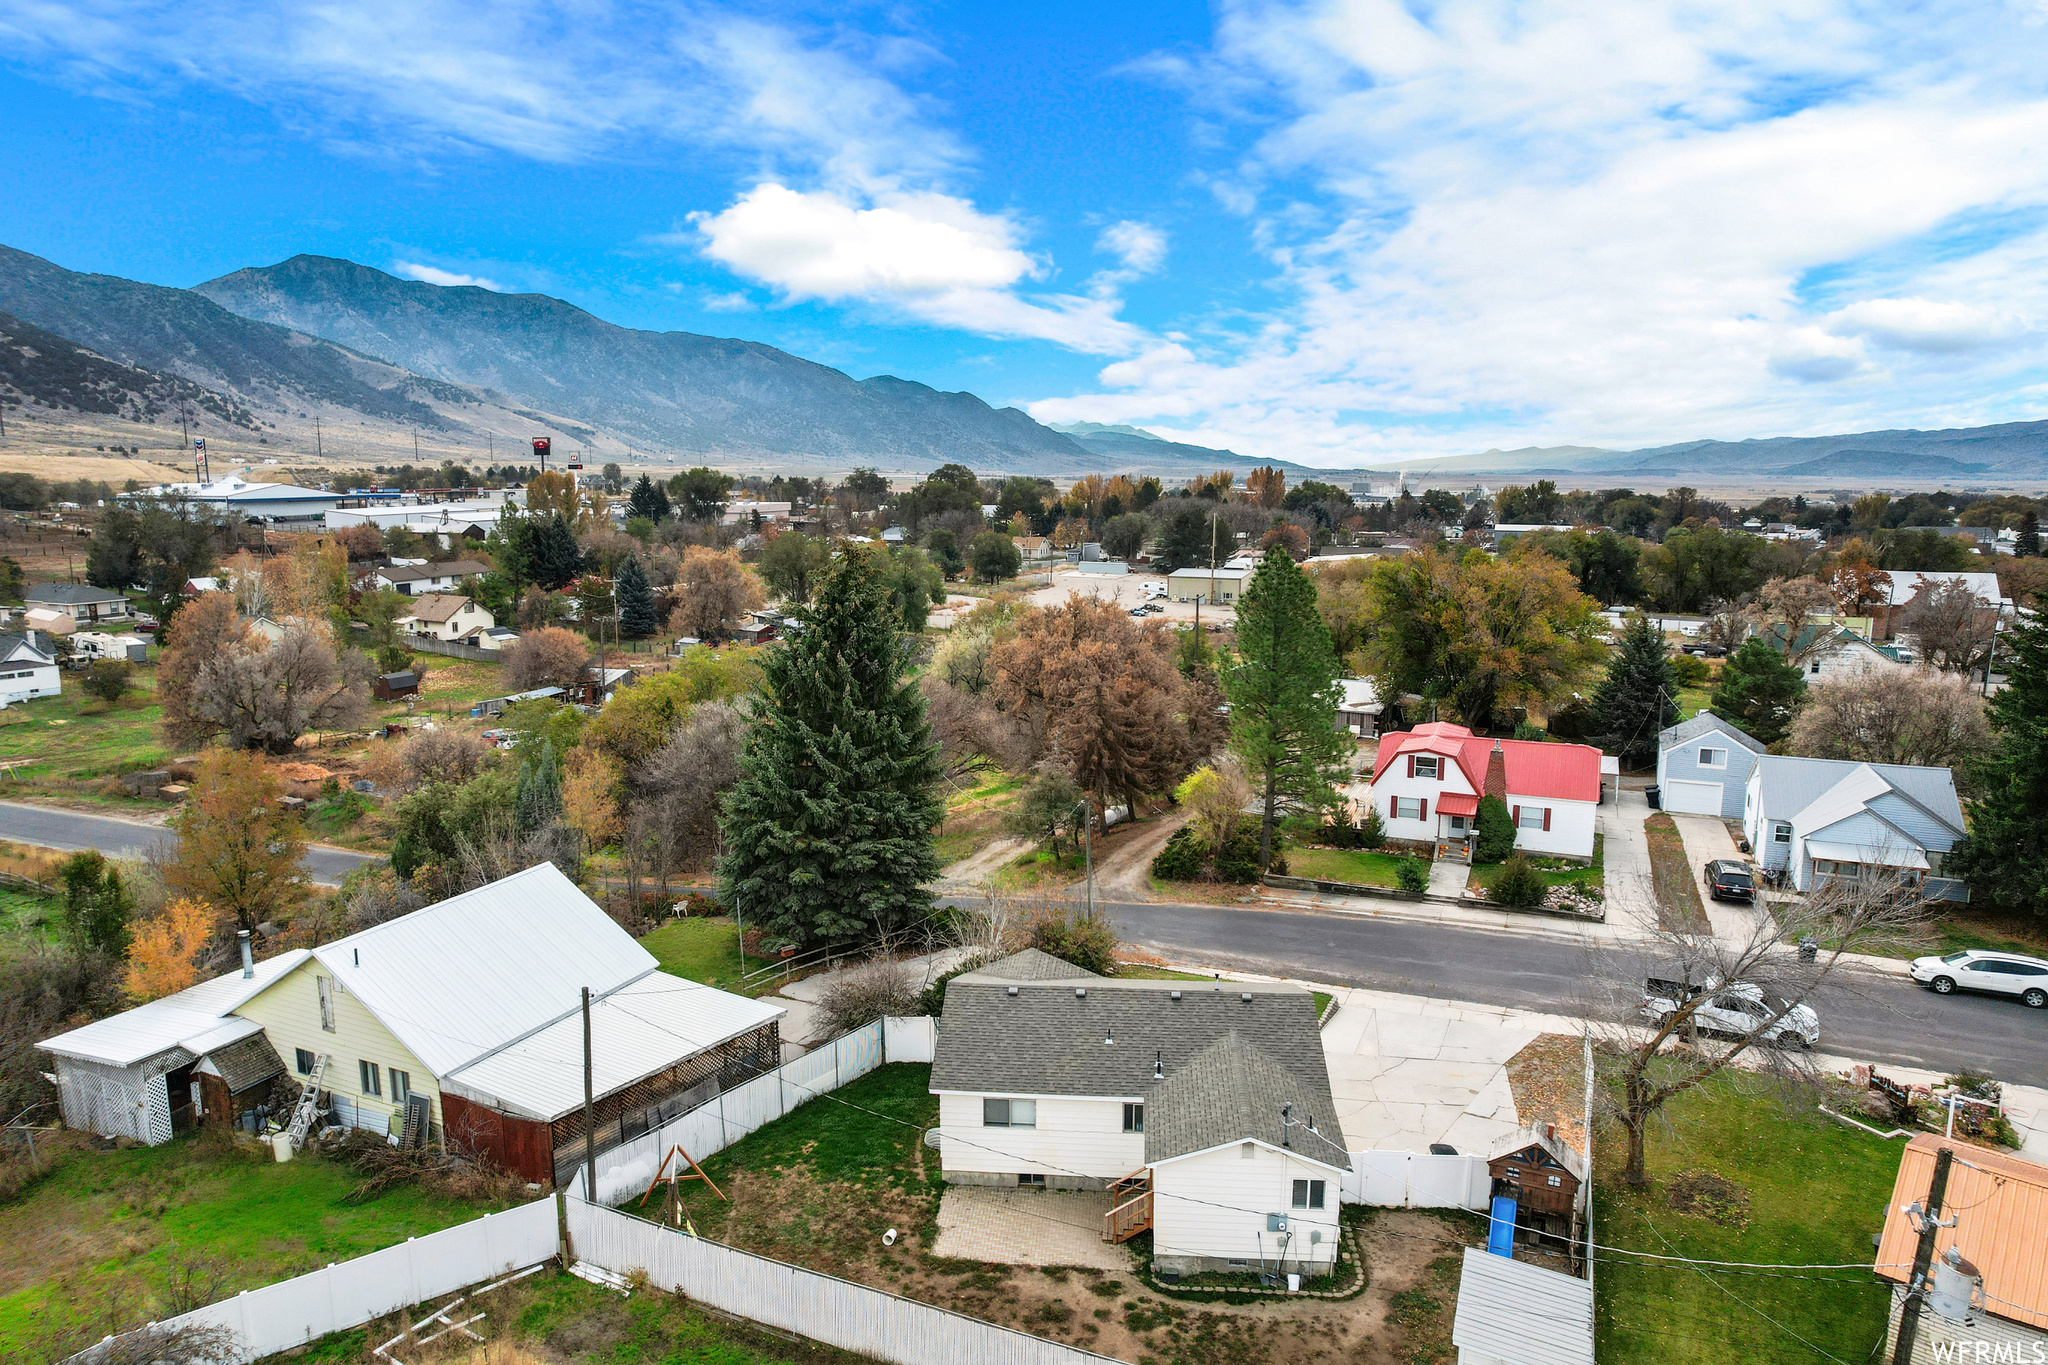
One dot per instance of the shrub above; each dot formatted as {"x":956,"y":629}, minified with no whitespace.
{"x":1072,"y":936}
{"x":107,"y":679}
{"x":865,"y":994}
{"x":1496,"y":839}
{"x":1573,"y":720}
{"x":1372,"y":831}
{"x":1183,"y":858}
{"x":1340,"y":832}
{"x":1239,"y":860}
{"x":1690,"y":670}
{"x":1412,"y":874}
{"x":1518,"y":883}
{"x":1530,"y":731}
{"x":932,"y":1000}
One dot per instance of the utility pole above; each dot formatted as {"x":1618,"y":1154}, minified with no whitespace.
{"x":317,"y":450}
{"x":1923,"y":1258}
{"x":589,"y":1112}
{"x":1212,"y":556}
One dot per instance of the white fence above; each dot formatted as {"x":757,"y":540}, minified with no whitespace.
{"x":348,"y":1294}
{"x":1415,"y":1180}
{"x":718,"y":1123}
{"x":839,"y":1313}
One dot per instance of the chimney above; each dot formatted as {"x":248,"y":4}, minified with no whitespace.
{"x":248,"y":958}
{"x":1496,"y":773}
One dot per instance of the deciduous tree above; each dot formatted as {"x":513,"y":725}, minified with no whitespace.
{"x":164,"y":957}
{"x":238,"y":849}
{"x":1283,"y":695}
{"x":1916,"y":717}
{"x":995,"y":557}
{"x":548,"y":657}
{"x":1950,"y":623}
{"x":791,"y":564}
{"x":713,"y":591}
{"x":1266,"y":486}
{"x":828,"y":833}
{"x":257,"y":697}
{"x":208,"y":627}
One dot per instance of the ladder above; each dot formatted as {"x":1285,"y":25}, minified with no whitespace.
{"x":308,"y":1106}
{"x":419,"y":1116}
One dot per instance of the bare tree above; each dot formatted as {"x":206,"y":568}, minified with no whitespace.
{"x":441,"y":756}
{"x":1913,"y":716}
{"x":548,"y":657}
{"x":1950,"y":623}
{"x":674,"y":817}
{"x":1720,"y":1003}
{"x":1784,"y":605}
{"x":713,"y":590}
{"x":973,"y":734}
{"x":267,"y":698}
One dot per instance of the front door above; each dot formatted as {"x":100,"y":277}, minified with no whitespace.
{"x":181,"y":1083}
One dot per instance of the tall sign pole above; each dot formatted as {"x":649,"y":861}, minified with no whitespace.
{"x":541,"y":446}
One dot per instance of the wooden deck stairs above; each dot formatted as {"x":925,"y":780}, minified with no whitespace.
{"x":1130,"y":1207}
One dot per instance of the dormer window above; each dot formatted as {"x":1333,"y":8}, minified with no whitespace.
{"x":1429,"y":766}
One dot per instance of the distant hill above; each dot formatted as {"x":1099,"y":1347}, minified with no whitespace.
{"x":705,"y":396}
{"x":38,"y":366}
{"x":1145,"y":452}
{"x":2012,"y":450}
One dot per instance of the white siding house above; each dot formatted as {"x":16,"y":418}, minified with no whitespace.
{"x":446,"y":616}
{"x":1427,"y":783}
{"x":28,"y":668}
{"x":1204,"y":1107}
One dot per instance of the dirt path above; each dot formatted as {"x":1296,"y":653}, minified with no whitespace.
{"x":984,"y":861}
{"x":1125,"y":872}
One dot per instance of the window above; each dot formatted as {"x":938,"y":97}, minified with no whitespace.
{"x":305,"y":1061}
{"x":1031,"y":1182}
{"x":1134,"y":1118}
{"x":1713,"y":758}
{"x":1533,"y":817}
{"x":1407,"y":808}
{"x":1781,"y":832}
{"x":326,"y":985}
{"x":1814,"y":668}
{"x":1308,"y":1194}
{"x":1009,"y":1113}
{"x":373,"y":1082}
{"x":401,"y":1085}
{"x":1848,"y":872}
{"x":1427,"y":765}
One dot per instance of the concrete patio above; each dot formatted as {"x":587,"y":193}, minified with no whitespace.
{"x":1027,"y":1227}
{"x":1403,"y":1080}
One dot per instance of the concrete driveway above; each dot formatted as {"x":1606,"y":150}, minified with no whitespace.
{"x":1625,"y":854}
{"x":1706,"y":837}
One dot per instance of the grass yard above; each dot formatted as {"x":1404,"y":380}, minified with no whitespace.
{"x":1358,"y":866}
{"x":698,"y":948}
{"x":23,"y":912}
{"x":1040,"y":870}
{"x":450,"y":684}
{"x":1957,"y":929}
{"x":1554,"y":871}
{"x":73,"y":738}
{"x":1678,"y":892}
{"x":1801,"y":1189}
{"x":134,"y":1235}
{"x":1692,"y":701}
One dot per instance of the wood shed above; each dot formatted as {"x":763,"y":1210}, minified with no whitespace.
{"x":1538,"y":1171}
{"x":396,"y":686}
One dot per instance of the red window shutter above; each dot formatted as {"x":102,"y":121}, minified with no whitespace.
{"x":1425,"y":809}
{"x":1411,"y":766}
{"x":1546,"y":817}
{"x":1515,"y":815}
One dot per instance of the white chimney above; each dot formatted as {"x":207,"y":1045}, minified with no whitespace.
{"x":248,"y":958}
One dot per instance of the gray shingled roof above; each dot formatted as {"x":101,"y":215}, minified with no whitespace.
{"x":1230,"y":1091}
{"x":69,"y":594}
{"x":1084,"y":1035}
{"x":1033,"y":964}
{"x":1706,"y":722}
{"x":248,"y":1062}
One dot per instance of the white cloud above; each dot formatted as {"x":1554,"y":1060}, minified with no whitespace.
{"x":1812,"y":356}
{"x":736,"y":301}
{"x":1140,"y":246}
{"x":414,"y":270}
{"x":1925,"y":324}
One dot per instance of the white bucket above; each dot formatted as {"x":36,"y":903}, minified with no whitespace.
{"x":281,"y":1145}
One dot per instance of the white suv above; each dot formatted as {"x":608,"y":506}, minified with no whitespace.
{"x":1975,"y":969}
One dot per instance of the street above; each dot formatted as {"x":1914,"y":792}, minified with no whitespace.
{"x":1862,"y":1015}
{"x":70,"y":829}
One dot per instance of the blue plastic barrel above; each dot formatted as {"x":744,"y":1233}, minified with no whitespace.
{"x":1500,"y":1233}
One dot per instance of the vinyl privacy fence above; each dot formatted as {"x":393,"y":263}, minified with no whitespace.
{"x":1416,"y":1180}
{"x":850,"y":1316}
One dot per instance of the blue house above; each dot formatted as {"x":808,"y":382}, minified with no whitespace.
{"x":1703,"y":766}
{"x":1827,"y":820}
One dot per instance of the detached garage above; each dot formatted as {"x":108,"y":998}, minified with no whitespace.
{"x":1703,"y":766}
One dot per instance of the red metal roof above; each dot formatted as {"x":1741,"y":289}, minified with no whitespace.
{"x":1458,"y":803}
{"x":2001,"y":1204}
{"x":1560,"y":772}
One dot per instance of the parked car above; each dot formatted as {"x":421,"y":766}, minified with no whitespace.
{"x":1738,"y":1009}
{"x":1974,"y":969}
{"x":1728,"y":880}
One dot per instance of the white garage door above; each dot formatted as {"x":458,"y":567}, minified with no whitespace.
{"x":1693,"y":798}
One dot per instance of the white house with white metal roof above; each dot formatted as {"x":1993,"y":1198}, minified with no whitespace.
{"x":1514,"y":1313}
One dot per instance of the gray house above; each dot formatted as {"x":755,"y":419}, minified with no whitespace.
{"x":1703,"y":766}
{"x":1824,"y":820}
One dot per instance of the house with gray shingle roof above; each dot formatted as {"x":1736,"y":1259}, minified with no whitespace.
{"x":1703,"y":766}
{"x":1203,"y":1107}
{"x":1823,"y":819}
{"x":80,"y":601}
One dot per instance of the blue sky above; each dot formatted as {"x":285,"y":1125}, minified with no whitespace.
{"x":1333,"y":231}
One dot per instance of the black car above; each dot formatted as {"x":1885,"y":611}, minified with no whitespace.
{"x":1729,"y":880}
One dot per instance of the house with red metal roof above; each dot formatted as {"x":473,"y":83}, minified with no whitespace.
{"x":1427,"y":783}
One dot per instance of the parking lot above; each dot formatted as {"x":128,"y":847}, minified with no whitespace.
{"x":1126,"y":590}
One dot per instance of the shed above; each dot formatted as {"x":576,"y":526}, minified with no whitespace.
{"x":1541,"y":1174}
{"x":1358,"y":710}
{"x":1513,"y":1313}
{"x":393,"y":686}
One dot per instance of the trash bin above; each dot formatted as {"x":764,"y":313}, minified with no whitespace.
{"x":1809,"y":950}
{"x":281,"y":1146}
{"x":1656,"y":795}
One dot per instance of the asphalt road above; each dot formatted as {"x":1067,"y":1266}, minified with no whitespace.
{"x":70,"y":829}
{"x":1864,"y":1015}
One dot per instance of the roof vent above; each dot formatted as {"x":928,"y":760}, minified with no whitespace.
{"x":1159,"y":1065}
{"x":1245,"y":996}
{"x":1080,"y":992}
{"x":1013,"y":990}
{"x":1109,"y":1037}
{"x":1173,"y":995}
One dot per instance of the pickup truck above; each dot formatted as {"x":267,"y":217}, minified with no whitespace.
{"x":1738,"y":1009}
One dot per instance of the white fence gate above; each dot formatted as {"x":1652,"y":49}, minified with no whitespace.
{"x":837,"y":1312}
{"x":1416,"y":1180}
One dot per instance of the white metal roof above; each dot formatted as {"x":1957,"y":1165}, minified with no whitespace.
{"x":457,"y":980}
{"x":1522,"y":1314}
{"x":1204,"y":573}
{"x":194,"y":1018}
{"x":635,"y":1032}
{"x":1900,"y":854}
{"x":1359,"y":695}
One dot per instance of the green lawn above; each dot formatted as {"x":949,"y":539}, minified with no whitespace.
{"x":107,"y":1230}
{"x":1953,"y":930}
{"x":1554,"y":871}
{"x":1355,"y":865}
{"x":1816,"y":1192}
{"x":22,"y":912}
{"x":1692,"y":701}
{"x":699,"y":948}
{"x":75,"y":737}
{"x":1144,"y":973}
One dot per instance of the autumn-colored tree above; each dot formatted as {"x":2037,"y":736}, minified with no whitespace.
{"x":1084,"y":499}
{"x":1288,"y":537}
{"x":1856,"y":582}
{"x":163,"y":959}
{"x":1912,"y":716}
{"x":590,"y":797}
{"x":1070,"y":532}
{"x":553,"y":492}
{"x":1344,"y":603}
{"x":238,"y":849}
{"x":548,"y":657}
{"x":1266,"y":486}
{"x":362,"y":542}
{"x":205,"y":628}
{"x":1783,"y":606}
{"x":713,"y":591}
{"x":1101,"y":695}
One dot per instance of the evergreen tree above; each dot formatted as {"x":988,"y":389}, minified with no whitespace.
{"x":635,"y":599}
{"x":2005,"y":855}
{"x":538,"y":800}
{"x":649,"y":501}
{"x":1372,"y":831}
{"x":1283,"y":694}
{"x":1759,"y":691}
{"x":944,"y":548}
{"x":1495,"y":830}
{"x":2028,"y":541}
{"x":1636,"y":698}
{"x":828,"y":833}
{"x":97,"y":905}
{"x":553,"y":558}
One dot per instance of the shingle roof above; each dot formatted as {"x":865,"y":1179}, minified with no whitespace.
{"x":251,"y":1061}
{"x":1085,"y":1035}
{"x":13,"y":641}
{"x":1707,"y":723}
{"x":1032,"y":964}
{"x":69,"y":594}
{"x":439,"y":606}
{"x":413,"y":573}
{"x":1231,"y":1091}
